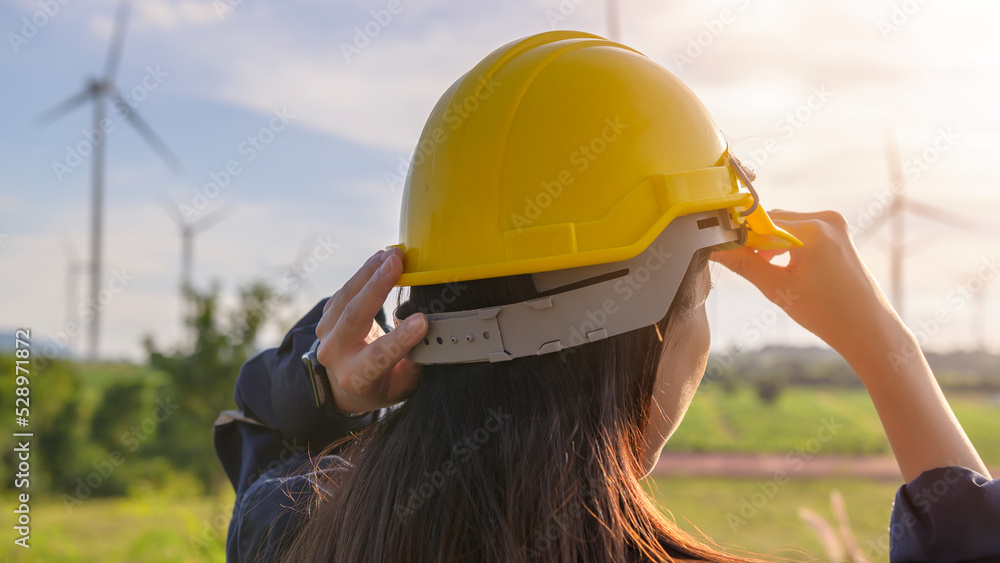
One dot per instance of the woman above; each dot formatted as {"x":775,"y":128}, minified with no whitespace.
{"x":563,"y":203}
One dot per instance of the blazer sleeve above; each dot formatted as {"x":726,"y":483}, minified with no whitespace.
{"x":266,"y":444}
{"x":277,"y":420}
{"x":946,"y":514}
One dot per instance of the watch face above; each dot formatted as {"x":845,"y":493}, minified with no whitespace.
{"x":320,"y":382}
{"x":317,"y":377}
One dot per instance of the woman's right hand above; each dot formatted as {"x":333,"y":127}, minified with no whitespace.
{"x":825,"y":287}
{"x":367,"y":368}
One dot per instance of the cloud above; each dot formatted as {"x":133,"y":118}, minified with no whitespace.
{"x":155,"y":15}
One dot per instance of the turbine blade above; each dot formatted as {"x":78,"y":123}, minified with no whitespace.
{"x":117,"y":41}
{"x":295,"y":264}
{"x":944,"y":216}
{"x":62,"y":108}
{"x":146,"y":132}
{"x":171,"y":208}
{"x":920,"y":245}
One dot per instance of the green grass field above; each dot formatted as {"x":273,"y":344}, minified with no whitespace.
{"x":149,"y":530}
{"x":771,"y":528}
{"x":157,"y":528}
{"x":740,"y":422}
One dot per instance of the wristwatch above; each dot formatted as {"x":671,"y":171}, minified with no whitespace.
{"x":320,"y":382}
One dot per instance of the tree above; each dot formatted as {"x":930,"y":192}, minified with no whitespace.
{"x":203,"y":374}
{"x":54,"y":420}
{"x":769,"y":389}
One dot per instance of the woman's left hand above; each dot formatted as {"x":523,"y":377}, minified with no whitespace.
{"x":366,"y":367}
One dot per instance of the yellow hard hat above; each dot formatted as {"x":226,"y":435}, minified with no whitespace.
{"x":563,"y":150}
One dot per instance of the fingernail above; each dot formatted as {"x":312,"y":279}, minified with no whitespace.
{"x":386,"y":266}
{"x":416,"y":323}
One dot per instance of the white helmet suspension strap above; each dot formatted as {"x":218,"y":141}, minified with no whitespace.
{"x":625,"y":296}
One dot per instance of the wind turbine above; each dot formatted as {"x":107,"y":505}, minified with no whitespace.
{"x":979,"y":319}
{"x":188,"y":230}
{"x":295,"y":276}
{"x":977,"y":315}
{"x":899,"y":249}
{"x":74,"y":267}
{"x":98,"y":91}
{"x":295,"y":273}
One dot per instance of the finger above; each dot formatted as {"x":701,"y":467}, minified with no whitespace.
{"x":403,"y":381}
{"x":768,"y":254}
{"x":356,"y":318}
{"x":395,"y":386}
{"x":331,"y":349}
{"x":382,"y":356}
{"x":748,"y":264}
{"x":783,"y":215}
{"x":373,"y":259}
{"x":357,"y":281}
{"x":335,"y":304}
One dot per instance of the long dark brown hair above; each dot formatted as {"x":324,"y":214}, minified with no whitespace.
{"x":531,"y":459}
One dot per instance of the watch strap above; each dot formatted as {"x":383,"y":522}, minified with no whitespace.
{"x":320,"y":382}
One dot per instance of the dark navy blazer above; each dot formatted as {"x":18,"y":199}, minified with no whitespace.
{"x":945,"y":514}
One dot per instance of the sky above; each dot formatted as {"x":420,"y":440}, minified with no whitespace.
{"x":306,"y":111}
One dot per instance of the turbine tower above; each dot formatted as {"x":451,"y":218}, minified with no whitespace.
{"x":74,"y":267}
{"x":977,"y":316}
{"x":188,"y":230}
{"x":98,"y":91}
{"x":611,"y":17}
{"x":899,"y":249}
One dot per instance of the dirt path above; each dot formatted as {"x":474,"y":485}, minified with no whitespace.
{"x":768,"y":465}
